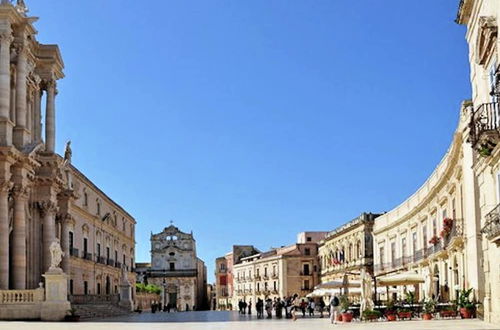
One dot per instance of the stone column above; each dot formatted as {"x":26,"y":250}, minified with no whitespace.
{"x":48,"y":211}
{"x":5,"y":123}
{"x":20,"y":131}
{"x":19,"y":238}
{"x":65,"y":219}
{"x":4,"y":235}
{"x":37,"y":113}
{"x":50,"y":117}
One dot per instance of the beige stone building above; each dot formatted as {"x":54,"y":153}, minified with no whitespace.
{"x":43,"y":197}
{"x":176,"y":269}
{"x":347,"y":250}
{"x":280,"y":272}
{"x":461,"y":251}
{"x":224,"y":277}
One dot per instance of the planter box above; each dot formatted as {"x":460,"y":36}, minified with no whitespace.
{"x":346,"y":317}
{"x":448,"y":313}
{"x":465,"y":313}
{"x":404,"y":315}
{"x":427,"y":316}
{"x":391,"y":317}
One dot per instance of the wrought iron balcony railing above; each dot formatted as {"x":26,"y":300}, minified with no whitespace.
{"x":491,"y":228}
{"x":73,"y":252}
{"x":485,"y":126}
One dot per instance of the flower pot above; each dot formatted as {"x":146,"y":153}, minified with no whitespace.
{"x":339,"y":317}
{"x":72,"y":318}
{"x":427,"y":316}
{"x":404,"y":315}
{"x":346,"y":317}
{"x":391,"y":317}
{"x":465,"y":313}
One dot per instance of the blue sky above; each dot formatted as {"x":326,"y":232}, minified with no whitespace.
{"x":250,"y":121}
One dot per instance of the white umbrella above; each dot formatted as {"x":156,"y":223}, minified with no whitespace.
{"x":408,"y":278}
{"x":338,"y":285}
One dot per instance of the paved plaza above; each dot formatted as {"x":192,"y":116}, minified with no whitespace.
{"x":231,"y":320}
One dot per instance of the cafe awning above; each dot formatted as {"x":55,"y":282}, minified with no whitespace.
{"x":408,"y":278}
{"x":338,"y":285}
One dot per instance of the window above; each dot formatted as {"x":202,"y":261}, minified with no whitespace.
{"x":393,"y":253}
{"x":124,"y":260}
{"x":275,"y":286}
{"x":434,"y":227}
{"x":107,"y":252}
{"x":424,"y":236}
{"x":403,"y":248}
{"x":307,"y":251}
{"x":98,"y":288}
{"x":172,"y":266}
{"x":492,"y":79}
{"x":453,"y":208}
{"x":258,"y":286}
{"x":306,"y":284}
{"x":85,"y":247}
{"x":305,"y":269}
{"x":71,"y":243}
{"x":98,"y":250}
{"x":265,"y":271}
{"x":98,"y":207}
{"x":381,"y":257}
{"x":85,"y":287}
{"x":358,"y":248}
{"x":70,"y":286}
{"x":116,"y":256}
{"x":308,"y":239}
{"x":274,"y":269}
{"x":85,"y":199}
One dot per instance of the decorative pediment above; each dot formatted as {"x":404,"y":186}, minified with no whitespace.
{"x":486,"y":39}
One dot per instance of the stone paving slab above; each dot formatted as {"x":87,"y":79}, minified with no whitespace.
{"x":316,"y":324}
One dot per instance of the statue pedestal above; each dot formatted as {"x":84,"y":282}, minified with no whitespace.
{"x":56,"y":304}
{"x":126,"y":297}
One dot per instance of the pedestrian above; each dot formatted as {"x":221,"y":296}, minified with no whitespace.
{"x":250,"y":307}
{"x":295,"y":306}
{"x":260,"y":308}
{"x":321,"y":307}
{"x":244,"y":307}
{"x":334,"y":306}
{"x":311,"y":306}
{"x":303,"y":306}
{"x":240,"y":306}
{"x":278,"y":308}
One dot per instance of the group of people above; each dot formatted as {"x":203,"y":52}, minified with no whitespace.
{"x":290,"y":307}
{"x":157,"y":306}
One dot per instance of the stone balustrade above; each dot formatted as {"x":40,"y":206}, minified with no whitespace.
{"x":13,"y":297}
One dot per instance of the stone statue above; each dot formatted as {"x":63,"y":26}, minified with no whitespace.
{"x":21,"y":7}
{"x":56,"y":254}
{"x":67,"y":152}
{"x":124,"y":278}
{"x":366,"y":291}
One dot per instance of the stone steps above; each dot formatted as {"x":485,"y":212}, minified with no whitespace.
{"x":99,"y":311}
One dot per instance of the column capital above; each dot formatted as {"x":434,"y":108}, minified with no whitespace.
{"x":47,"y":208}
{"x":6,"y":36}
{"x":21,"y":191}
{"x":6,"y":186}
{"x":49,"y":84}
{"x":66,"y":218}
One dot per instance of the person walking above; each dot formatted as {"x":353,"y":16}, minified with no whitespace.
{"x":295,"y":306}
{"x":321,"y":307}
{"x":311,"y":307}
{"x":334,"y":307}
{"x":250,"y":307}
{"x":260,"y":308}
{"x":269,"y":308}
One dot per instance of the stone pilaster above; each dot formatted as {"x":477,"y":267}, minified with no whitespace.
{"x":37,"y":105}
{"x":21,"y":134}
{"x":19,"y":238}
{"x":5,"y":122}
{"x":48,"y":211}
{"x":4,"y":235}
{"x":50,"y":117}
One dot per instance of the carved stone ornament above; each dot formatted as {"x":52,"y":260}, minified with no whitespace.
{"x":20,"y":191}
{"x":6,"y":186}
{"x":47,"y":207}
{"x":486,"y":39}
{"x":6,"y":37}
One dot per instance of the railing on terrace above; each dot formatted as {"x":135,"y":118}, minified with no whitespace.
{"x":427,"y":251}
{"x":485,"y":120}
{"x":492,"y":226}
{"x":87,"y":256}
{"x":90,"y":299}
{"x":74,"y":252}
{"x":13,"y":297}
{"x":172,"y":273}
{"x":101,"y":260}
{"x":111,"y":262}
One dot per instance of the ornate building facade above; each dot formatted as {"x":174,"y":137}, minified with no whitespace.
{"x":43,"y":197}
{"x":176,"y":269}
{"x":347,"y":250}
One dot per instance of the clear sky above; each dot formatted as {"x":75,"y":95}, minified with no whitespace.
{"x":250,"y":121}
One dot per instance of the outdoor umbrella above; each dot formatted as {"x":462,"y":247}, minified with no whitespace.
{"x":408,"y":278}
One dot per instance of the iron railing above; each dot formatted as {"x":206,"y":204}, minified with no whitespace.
{"x":486,"y":119}
{"x":492,"y":226}
{"x":73,"y":252}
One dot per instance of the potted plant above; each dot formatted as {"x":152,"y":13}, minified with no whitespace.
{"x":429,"y":306}
{"x":344,"y":309}
{"x":72,"y":316}
{"x":370,"y":315}
{"x":466,"y":307}
{"x":450,"y":311}
{"x":434,"y":240}
{"x":404,"y":313}
{"x":390,"y":312}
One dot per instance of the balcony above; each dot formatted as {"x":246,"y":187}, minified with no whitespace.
{"x":275,"y":276}
{"x":87,"y":256}
{"x":118,"y":264}
{"x":172,"y":273}
{"x":257,"y":277}
{"x":111,"y":262}
{"x":485,"y":128}
{"x":101,"y":260}
{"x":308,"y":273}
{"x":73,"y":252}
{"x":491,"y":228}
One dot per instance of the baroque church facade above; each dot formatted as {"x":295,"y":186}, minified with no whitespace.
{"x":176,"y":269}
{"x":43,"y":197}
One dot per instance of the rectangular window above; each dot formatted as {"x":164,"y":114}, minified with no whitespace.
{"x":98,"y":250}
{"x":85,"y":287}
{"x":381,"y":257}
{"x":308,"y":239}
{"x":71,"y":240}
{"x":403,"y":249}
{"x":434,"y":227}
{"x":275,"y":286}
{"x":305,"y":268}
{"x":307,"y":251}
{"x":172,"y":266}
{"x":85,"y":250}
{"x":424,"y":236}
{"x":107,"y":252}
{"x":98,"y":288}
{"x":393,"y":253}
{"x":70,"y":286}
{"x":306,"y":284}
